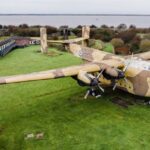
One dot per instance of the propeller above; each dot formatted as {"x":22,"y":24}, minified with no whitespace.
{"x":98,"y":76}
{"x":94,"y":83}
{"x":123,"y":73}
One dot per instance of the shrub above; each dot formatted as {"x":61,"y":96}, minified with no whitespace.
{"x":127,"y":36}
{"x":117,"y":42}
{"x":145,"y":45}
{"x":53,"y":37}
{"x":103,"y":34}
{"x":135,"y":44}
{"x":107,"y":35}
{"x":147,"y":36}
{"x":124,"y":50}
{"x":77,"y":31}
{"x":97,"y":44}
{"x":51,"y":29}
{"x":108,"y":47}
{"x":60,"y":47}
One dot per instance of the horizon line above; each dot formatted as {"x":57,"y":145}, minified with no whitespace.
{"x":71,"y":14}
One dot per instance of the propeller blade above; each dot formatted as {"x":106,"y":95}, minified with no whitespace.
{"x":87,"y":94}
{"x":100,"y":74}
{"x":114,"y":86}
{"x":101,"y":88}
{"x":126,"y":80}
{"x":98,"y":96}
{"x":125,"y":69}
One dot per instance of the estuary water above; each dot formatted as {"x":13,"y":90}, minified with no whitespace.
{"x":75,"y":20}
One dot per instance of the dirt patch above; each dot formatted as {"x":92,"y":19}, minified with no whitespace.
{"x":121,"y":102}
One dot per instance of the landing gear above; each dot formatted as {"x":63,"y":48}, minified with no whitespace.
{"x":93,"y":92}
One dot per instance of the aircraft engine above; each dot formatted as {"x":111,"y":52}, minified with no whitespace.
{"x":87,"y":78}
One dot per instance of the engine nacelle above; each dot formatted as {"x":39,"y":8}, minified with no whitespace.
{"x":85,"y":77}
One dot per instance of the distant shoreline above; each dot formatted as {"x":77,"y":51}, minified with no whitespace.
{"x":74,"y":14}
{"x":73,"y":20}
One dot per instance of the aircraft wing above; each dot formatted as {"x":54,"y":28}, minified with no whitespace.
{"x":144,"y":56}
{"x":62,"y":72}
{"x":67,"y":41}
{"x":64,"y":41}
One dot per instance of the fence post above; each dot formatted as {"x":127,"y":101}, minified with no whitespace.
{"x":43,"y":35}
{"x":85,"y":34}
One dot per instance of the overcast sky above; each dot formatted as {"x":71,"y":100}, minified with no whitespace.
{"x":75,"y":6}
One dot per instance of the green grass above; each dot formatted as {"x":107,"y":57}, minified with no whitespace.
{"x":57,"y":108}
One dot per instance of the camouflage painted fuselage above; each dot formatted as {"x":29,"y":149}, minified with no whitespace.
{"x":138,"y":79}
{"x":138,"y":75}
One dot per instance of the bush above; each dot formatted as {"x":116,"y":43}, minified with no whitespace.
{"x":51,"y":29}
{"x":124,"y":50}
{"x":108,"y":47}
{"x":97,"y":44}
{"x":117,"y":42}
{"x":135,"y":44}
{"x":77,"y":31}
{"x":107,"y":35}
{"x":102,"y":34}
{"x":145,"y":45}
{"x":127,"y":36}
{"x":147,"y":36}
{"x":60,"y":47}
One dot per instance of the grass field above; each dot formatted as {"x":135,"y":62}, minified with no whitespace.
{"x":57,"y":109}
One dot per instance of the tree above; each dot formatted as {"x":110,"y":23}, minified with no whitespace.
{"x":104,"y":26}
{"x":127,"y":36}
{"x":122,"y":27}
{"x":132,"y":26}
{"x":23,"y":26}
{"x":93,"y":26}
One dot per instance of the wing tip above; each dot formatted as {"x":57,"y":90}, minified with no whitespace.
{"x":2,"y":81}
